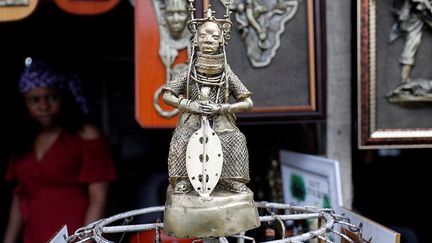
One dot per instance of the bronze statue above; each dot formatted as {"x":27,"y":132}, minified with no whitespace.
{"x":208,"y":163}
{"x":185,"y":93}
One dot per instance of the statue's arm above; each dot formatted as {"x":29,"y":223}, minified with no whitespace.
{"x":240,"y":93}
{"x":170,"y":99}
{"x":242,"y":105}
{"x":181,"y":103}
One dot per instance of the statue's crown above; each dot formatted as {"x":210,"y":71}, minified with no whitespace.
{"x":224,"y":24}
{"x":174,"y":4}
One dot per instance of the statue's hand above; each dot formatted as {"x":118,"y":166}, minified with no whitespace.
{"x":209,"y":108}
{"x":194,"y":107}
{"x":213,"y":109}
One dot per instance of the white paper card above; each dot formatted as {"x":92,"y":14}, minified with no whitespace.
{"x":61,"y":236}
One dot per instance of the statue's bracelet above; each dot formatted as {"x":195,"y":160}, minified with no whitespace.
{"x":225,"y":108}
{"x":180,"y":100}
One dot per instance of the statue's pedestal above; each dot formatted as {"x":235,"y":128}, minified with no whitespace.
{"x":414,"y":90}
{"x":223,"y":214}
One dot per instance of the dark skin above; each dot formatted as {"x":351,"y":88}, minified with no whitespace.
{"x":44,"y":106}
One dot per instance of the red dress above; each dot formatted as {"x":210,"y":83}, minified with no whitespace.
{"x":54,"y":191}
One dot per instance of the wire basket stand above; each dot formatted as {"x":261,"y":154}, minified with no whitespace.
{"x":328,"y":217}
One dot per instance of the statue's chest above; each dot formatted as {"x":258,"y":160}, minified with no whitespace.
{"x":216,"y":93}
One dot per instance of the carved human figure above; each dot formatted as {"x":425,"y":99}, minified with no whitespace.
{"x":412,"y":16}
{"x":261,"y":24}
{"x":174,"y":36}
{"x":176,"y":14}
{"x":411,"y":19}
{"x":172,"y":18}
{"x":202,"y":91}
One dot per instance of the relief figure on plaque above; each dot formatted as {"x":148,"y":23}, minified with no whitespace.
{"x":412,"y":18}
{"x":172,"y":17}
{"x":261,"y":24}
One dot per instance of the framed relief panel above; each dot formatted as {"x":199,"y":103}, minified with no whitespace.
{"x":277,"y":52}
{"x":280,"y":57}
{"x":394,"y":73}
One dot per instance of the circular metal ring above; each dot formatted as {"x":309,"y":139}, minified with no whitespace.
{"x":159,"y":110}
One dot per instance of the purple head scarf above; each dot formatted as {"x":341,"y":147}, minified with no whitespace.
{"x":41,"y":74}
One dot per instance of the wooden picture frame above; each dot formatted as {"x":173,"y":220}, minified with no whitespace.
{"x":382,"y":124}
{"x":295,"y":92}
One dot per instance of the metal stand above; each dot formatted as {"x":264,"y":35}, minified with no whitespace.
{"x":329,"y":218}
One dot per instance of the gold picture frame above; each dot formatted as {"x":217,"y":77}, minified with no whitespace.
{"x":382,"y":124}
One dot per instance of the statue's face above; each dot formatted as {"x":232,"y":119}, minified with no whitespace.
{"x":176,"y":16}
{"x":209,"y":36}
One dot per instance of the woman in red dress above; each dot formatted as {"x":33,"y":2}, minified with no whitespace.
{"x":61,"y":163}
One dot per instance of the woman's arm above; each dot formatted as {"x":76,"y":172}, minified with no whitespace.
{"x":15,"y":222}
{"x":98,"y":193}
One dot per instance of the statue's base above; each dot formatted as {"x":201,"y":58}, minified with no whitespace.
{"x":222,"y":214}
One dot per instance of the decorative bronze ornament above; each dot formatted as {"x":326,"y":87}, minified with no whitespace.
{"x":261,"y":24}
{"x":172,"y":17}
